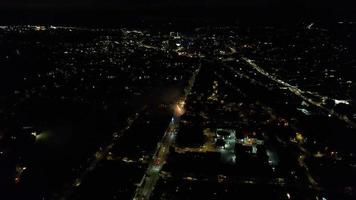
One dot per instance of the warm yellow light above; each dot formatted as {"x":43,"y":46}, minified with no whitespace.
{"x":179,"y":108}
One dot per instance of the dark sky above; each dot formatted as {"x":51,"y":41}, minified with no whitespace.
{"x":49,"y":11}
{"x":118,"y":2}
{"x":121,"y":3}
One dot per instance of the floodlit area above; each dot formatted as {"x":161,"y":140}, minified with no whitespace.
{"x":228,"y":149}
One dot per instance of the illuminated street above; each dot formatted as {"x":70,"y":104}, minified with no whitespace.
{"x":149,"y":180}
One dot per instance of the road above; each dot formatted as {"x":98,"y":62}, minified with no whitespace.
{"x":151,"y":176}
{"x":149,"y":180}
{"x":300,"y":93}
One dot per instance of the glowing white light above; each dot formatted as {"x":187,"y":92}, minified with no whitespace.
{"x":42,"y":136}
{"x":341,"y":102}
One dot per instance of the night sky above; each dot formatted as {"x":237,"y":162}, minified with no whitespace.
{"x":118,"y":3}
{"x":103,"y":11}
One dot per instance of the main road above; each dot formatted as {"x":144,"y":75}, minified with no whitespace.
{"x":149,"y":180}
{"x":300,"y":93}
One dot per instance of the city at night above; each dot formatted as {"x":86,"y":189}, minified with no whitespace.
{"x":177,"y":100}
